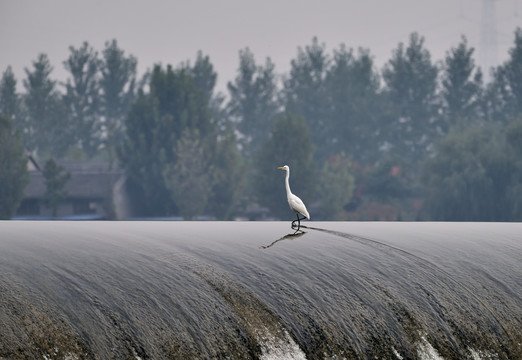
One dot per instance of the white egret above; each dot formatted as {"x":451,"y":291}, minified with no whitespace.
{"x":294,"y":202}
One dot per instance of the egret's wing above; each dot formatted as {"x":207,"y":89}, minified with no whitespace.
{"x":298,"y":205}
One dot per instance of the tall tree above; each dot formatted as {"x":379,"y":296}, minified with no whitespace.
{"x":82,"y":97}
{"x":204,"y":76}
{"x":225,"y":160}
{"x":305,"y":92}
{"x":9,"y":98}
{"x":508,"y":81}
{"x":189,"y":179}
{"x":180,"y":104}
{"x":289,"y":144}
{"x":229,"y":176}
{"x":143,"y":157}
{"x":461,"y":85}
{"x":13,"y":169}
{"x":411,"y":83}
{"x":352,"y":89}
{"x":55,"y":180}
{"x":253,"y":101}
{"x":153,"y":127}
{"x":46,"y":129}
{"x":117,"y":85}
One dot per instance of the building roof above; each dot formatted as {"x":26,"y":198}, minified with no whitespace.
{"x":88,"y":180}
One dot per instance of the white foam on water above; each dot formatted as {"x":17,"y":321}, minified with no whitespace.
{"x":426,"y":351}
{"x":135,"y":354}
{"x":66,"y":357}
{"x":279,"y":347}
{"x":482,"y":355}
{"x":396,"y":353}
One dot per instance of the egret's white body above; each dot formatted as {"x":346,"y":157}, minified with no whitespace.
{"x":296,"y":204}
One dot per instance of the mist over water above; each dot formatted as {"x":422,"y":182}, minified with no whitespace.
{"x":202,"y":290}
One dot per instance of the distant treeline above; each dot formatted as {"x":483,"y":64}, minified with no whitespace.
{"x":415,"y":140}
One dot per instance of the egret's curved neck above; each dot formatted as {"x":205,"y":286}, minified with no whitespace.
{"x":287,"y":183}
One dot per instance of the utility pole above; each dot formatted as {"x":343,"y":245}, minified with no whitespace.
{"x":488,"y":38}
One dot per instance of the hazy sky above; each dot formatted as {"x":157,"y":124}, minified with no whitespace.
{"x":170,"y":32}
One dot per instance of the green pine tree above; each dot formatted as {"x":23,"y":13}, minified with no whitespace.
{"x":508,"y":84}
{"x":305,"y":93}
{"x":117,"y":85}
{"x":9,"y":98}
{"x":461,"y":85}
{"x":253,"y":101}
{"x":154,"y":124}
{"x":352,"y":90}
{"x":411,"y":83}
{"x":46,"y":129}
{"x":82,"y":98}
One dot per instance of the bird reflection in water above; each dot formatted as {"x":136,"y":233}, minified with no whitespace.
{"x":297,"y":234}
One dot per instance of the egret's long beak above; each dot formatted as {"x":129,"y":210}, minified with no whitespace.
{"x":281,"y":168}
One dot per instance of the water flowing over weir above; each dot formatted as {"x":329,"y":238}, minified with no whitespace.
{"x":200,"y":290}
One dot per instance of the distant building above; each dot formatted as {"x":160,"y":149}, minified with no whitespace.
{"x":89,"y":193}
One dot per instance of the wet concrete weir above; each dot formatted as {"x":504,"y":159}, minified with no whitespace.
{"x":256,"y":290}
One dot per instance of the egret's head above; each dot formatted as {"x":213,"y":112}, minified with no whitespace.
{"x":284,"y":168}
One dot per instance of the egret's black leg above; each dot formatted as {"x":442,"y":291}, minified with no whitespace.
{"x":299,"y":221}
{"x":293,"y":222}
